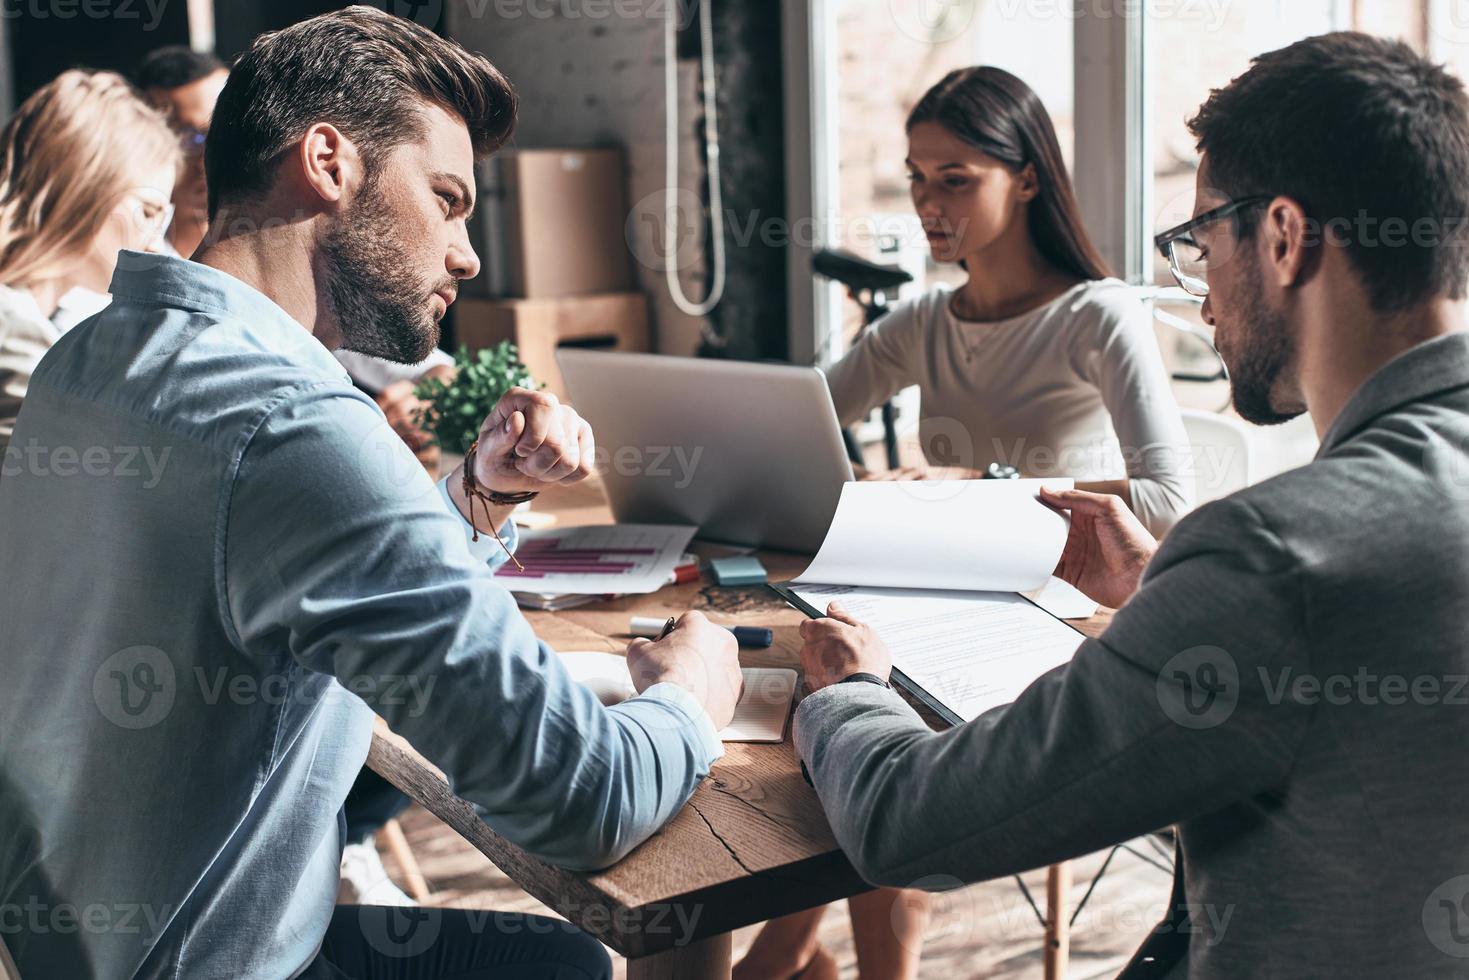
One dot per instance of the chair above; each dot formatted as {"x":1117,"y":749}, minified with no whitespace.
{"x":392,"y":837}
{"x":1219,"y":454}
{"x":8,"y":969}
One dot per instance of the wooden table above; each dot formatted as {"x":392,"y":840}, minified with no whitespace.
{"x":752,"y":843}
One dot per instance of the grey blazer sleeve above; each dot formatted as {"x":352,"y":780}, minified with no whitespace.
{"x":1171,"y":714}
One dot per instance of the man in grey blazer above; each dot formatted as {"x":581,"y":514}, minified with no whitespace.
{"x":1285,"y":680}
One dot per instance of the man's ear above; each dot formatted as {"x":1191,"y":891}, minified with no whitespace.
{"x":1291,"y":246}
{"x":330,"y":165}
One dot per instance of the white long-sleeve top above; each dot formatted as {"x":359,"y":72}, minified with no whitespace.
{"x":25,"y":337}
{"x":1075,"y":388}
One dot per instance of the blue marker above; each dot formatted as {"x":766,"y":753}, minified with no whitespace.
{"x":745,"y":636}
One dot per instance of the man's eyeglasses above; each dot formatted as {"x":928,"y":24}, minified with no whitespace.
{"x":191,"y":140}
{"x":1185,"y":256}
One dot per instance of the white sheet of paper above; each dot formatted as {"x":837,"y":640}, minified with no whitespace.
{"x":1063,"y":600}
{"x":760,"y":715}
{"x":966,"y":535}
{"x":621,"y":559}
{"x":764,"y":706}
{"x":969,"y":651}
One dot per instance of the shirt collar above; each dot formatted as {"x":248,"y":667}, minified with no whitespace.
{"x":1434,"y":366}
{"x":163,"y":280}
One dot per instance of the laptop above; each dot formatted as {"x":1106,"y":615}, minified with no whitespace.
{"x":749,"y":453}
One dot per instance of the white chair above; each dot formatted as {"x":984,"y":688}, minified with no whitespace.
{"x":1219,"y":454}
{"x":7,"y":965}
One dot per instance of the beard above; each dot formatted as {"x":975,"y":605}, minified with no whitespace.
{"x":382,"y":310}
{"x":1265,"y":352}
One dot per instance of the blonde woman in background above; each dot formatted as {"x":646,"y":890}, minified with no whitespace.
{"x":88,"y":169}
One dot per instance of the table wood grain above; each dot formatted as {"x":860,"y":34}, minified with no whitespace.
{"x":751,"y":844}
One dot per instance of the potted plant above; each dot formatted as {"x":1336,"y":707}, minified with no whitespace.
{"x":454,"y":409}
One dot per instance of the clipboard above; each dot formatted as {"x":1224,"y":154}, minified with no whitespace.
{"x":901,"y":679}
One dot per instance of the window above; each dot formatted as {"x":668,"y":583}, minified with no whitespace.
{"x":1120,"y":89}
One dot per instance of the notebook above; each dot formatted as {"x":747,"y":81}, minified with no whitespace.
{"x":760,"y":716}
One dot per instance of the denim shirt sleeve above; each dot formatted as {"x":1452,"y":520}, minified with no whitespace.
{"x":486,"y":549}
{"x":341,"y":554}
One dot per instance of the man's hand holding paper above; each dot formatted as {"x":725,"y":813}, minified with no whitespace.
{"x":1107,"y":548}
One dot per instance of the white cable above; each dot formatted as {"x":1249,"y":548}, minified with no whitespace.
{"x":670,"y":171}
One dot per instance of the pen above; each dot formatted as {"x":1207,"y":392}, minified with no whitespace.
{"x":746,"y":636}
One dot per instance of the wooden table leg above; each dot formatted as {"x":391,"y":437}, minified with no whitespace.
{"x":708,"y":958}
{"x":1058,"y":920}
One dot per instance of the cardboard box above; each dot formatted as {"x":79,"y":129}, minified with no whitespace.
{"x":611,"y":321}
{"x":551,"y":223}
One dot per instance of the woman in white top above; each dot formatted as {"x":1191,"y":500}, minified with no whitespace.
{"x":1039,"y":361}
{"x":87,"y":169}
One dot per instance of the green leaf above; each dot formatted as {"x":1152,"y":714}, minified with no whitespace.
{"x":453,"y":412}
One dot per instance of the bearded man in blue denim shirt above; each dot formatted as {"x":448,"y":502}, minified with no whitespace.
{"x":192,"y":660}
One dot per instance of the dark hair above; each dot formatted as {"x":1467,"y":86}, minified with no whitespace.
{"x":1353,"y":128}
{"x":1001,"y":116}
{"x":362,"y":70}
{"x":174,"y":67}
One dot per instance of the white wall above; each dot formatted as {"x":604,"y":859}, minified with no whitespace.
{"x":590,"y":80}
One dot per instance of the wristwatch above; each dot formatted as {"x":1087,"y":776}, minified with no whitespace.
{"x":865,"y":678}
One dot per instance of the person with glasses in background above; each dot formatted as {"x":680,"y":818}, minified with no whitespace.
{"x":1283,"y":680}
{"x":88,"y":169}
{"x":184,"y":85}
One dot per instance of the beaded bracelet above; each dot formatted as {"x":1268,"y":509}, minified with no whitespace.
{"x":489,"y":498}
